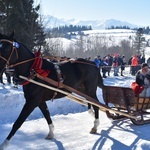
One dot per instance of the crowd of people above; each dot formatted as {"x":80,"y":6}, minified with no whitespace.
{"x":138,"y":68}
{"x":118,"y":62}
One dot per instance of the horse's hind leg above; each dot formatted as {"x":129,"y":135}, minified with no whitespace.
{"x":90,"y":110}
{"x":92,"y":94}
{"x":26,"y":111}
{"x":43,"y":107}
{"x":96,"y":121}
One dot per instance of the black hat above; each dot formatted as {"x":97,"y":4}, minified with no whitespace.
{"x":144,"y":65}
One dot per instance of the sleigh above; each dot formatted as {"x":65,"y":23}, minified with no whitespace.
{"x":120,"y":102}
{"x":124,"y":100}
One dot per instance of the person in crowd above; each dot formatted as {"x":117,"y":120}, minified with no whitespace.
{"x":1,"y":76}
{"x":148,"y":61}
{"x":123,"y":62}
{"x":99,"y":58}
{"x":97,"y":62}
{"x":109,"y":60}
{"x":116,"y":64}
{"x":134,"y":65}
{"x":8,"y":77}
{"x":129,"y":63}
{"x":104,"y":66}
{"x":143,"y":79}
{"x":142,"y":59}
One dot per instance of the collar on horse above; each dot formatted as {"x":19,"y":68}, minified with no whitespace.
{"x":36,"y":68}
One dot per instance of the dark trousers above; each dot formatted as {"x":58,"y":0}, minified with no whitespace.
{"x":8,"y":77}
{"x":134,"y":70}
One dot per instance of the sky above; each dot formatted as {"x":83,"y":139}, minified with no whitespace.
{"x":72,"y":124}
{"x":132,"y":11}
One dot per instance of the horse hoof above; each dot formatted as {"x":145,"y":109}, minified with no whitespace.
{"x":49,"y":137}
{"x":93,"y":131}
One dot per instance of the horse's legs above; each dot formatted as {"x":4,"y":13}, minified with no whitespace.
{"x":26,"y":111}
{"x":96,"y":121}
{"x":96,"y":112}
{"x":43,"y":107}
{"x":90,"y":110}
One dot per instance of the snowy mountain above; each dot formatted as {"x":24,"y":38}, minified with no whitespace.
{"x":52,"y":21}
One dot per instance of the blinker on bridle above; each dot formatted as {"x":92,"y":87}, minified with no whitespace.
{"x":7,"y":66}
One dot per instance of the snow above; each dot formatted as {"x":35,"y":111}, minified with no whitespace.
{"x":72,"y":124}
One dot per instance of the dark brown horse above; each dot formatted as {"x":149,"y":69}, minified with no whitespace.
{"x":15,"y":55}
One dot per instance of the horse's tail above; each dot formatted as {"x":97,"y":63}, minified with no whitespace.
{"x":100,"y":80}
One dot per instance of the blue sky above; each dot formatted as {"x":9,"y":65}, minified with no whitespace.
{"x":132,"y":11}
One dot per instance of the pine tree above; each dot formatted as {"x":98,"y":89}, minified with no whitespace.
{"x":22,"y":17}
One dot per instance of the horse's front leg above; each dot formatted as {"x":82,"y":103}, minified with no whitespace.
{"x":43,"y":107}
{"x":26,"y":111}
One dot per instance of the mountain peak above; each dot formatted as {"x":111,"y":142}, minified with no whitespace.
{"x":95,"y":24}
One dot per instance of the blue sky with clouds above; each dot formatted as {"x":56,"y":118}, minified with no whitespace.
{"x":132,"y":11}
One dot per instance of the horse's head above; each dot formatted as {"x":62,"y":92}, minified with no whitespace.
{"x":13,"y":54}
{"x":8,"y":55}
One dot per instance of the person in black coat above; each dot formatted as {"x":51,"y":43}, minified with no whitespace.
{"x":143,"y":79}
{"x":123,"y":62}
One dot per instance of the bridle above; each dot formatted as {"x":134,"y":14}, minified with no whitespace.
{"x":35,"y":68}
{"x":14,"y":49}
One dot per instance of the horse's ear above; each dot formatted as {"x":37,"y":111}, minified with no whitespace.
{"x":12,"y":35}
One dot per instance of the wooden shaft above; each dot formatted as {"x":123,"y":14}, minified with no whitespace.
{"x":80,"y":100}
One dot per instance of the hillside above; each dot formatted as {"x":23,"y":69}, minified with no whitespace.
{"x":94,"y":40}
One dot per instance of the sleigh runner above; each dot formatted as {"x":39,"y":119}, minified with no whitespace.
{"x":120,"y":102}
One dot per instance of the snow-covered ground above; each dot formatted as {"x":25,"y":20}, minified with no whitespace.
{"x":72,"y":124}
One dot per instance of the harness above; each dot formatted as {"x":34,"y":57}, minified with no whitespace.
{"x":35,"y":69}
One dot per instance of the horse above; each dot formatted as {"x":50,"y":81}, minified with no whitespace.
{"x":16,"y":56}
